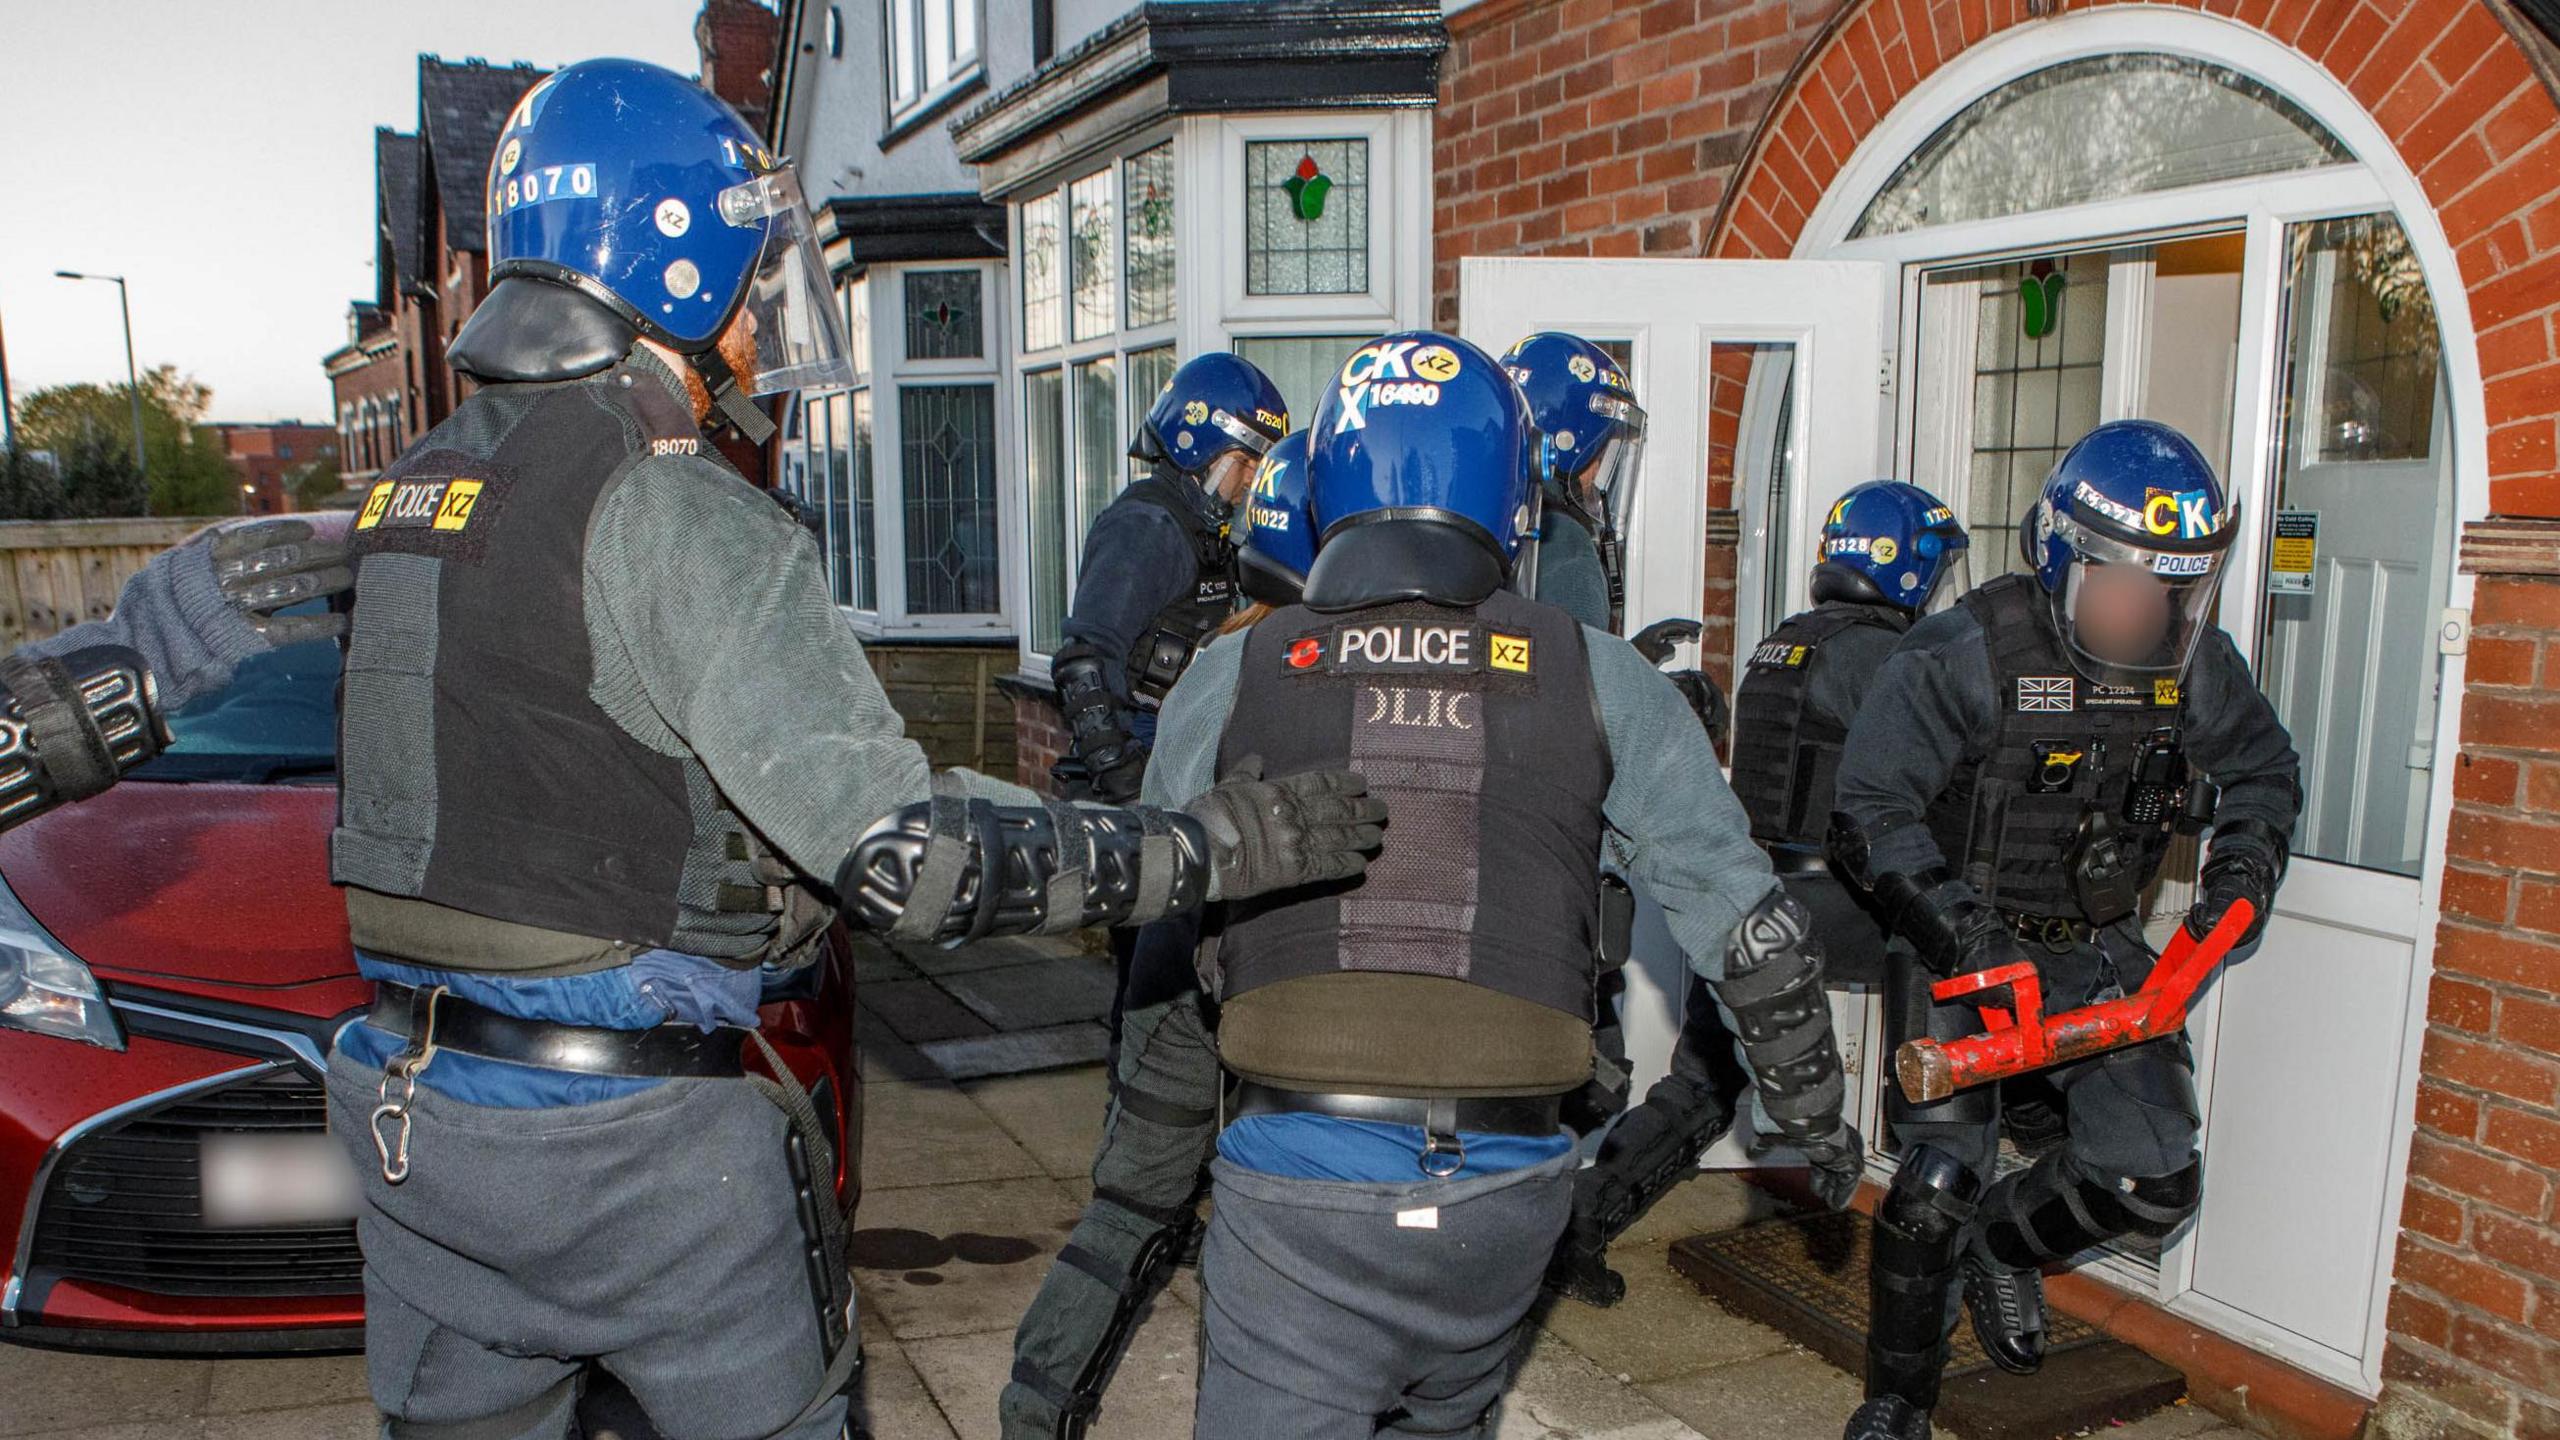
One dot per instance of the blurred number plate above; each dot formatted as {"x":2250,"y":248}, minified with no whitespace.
{"x":275,"y":1180}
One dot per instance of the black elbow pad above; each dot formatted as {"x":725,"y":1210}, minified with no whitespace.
{"x":71,"y":726}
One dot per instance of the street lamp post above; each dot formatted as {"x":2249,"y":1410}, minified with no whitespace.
{"x":132,"y":380}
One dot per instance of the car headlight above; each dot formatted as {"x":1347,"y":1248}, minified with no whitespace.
{"x":44,"y":988}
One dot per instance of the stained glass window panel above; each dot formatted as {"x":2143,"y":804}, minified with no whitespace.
{"x":2099,"y":129}
{"x":945,"y":315}
{"x":1042,"y":274}
{"x":1307,"y":217}
{"x":947,"y":437}
{"x":1093,"y":240}
{"x":1147,"y":197}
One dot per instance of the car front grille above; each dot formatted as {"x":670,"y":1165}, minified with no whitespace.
{"x":123,"y":1205}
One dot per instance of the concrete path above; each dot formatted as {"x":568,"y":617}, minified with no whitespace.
{"x":974,"y":1173}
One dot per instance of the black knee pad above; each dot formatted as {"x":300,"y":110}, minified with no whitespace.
{"x":2155,"y":1205}
{"x":1931,"y":1198}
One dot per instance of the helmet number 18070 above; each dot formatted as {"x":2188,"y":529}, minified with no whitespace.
{"x":547,"y":182}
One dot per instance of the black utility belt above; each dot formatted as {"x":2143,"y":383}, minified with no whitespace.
{"x":1789,"y":860}
{"x":2055,"y":932}
{"x":1532,"y":1115}
{"x":465,"y":1027}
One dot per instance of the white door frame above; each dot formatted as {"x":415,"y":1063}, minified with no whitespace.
{"x":2380,"y":180}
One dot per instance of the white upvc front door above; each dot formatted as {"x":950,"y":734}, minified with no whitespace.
{"x":1769,"y":374}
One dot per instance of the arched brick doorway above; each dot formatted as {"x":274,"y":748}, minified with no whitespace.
{"x":2452,"y":88}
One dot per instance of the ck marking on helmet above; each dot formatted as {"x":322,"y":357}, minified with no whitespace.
{"x":541,"y":183}
{"x":2186,"y":514}
{"x":438,"y":504}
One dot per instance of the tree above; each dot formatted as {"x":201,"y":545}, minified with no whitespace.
{"x":82,"y":424}
{"x":313,"y":482}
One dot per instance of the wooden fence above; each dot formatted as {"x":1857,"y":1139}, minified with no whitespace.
{"x":54,"y":574}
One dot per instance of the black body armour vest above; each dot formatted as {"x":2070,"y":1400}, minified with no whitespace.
{"x":2070,"y":756}
{"x":477,"y":773}
{"x":1784,"y":754}
{"x":1461,"y":963}
{"x":1164,"y":649}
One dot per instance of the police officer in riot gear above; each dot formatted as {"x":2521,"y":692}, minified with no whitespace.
{"x":605,"y":741}
{"x":82,"y":708}
{"x":1148,"y":1171}
{"x":1396,"y":1170}
{"x":1159,"y":566}
{"x":2013,"y":802}
{"x":1888,"y":550}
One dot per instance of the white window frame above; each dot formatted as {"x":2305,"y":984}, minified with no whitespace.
{"x":1399,"y":207}
{"x":885,"y":373}
{"x":1117,"y":343}
{"x":920,"y":26}
{"x":1212,"y":310}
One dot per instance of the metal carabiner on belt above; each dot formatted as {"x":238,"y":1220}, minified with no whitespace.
{"x":405,"y":1067}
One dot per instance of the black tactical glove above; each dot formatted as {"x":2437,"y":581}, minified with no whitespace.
{"x":1837,"y":1161}
{"x":1118,"y":780}
{"x":1705,"y":697}
{"x":1954,"y":932}
{"x":1267,"y":835}
{"x":268,"y":565}
{"x":2246,"y":862}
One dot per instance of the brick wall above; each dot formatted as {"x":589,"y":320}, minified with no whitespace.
{"x":1039,"y":738}
{"x":947,"y":695}
{"x":1587,"y":127}
{"x":2475,"y":1315}
{"x":2462,"y":89}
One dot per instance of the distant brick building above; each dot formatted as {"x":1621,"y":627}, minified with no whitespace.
{"x":268,"y":457}
{"x":390,"y":382}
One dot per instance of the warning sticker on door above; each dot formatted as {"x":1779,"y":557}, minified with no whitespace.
{"x":2295,"y":557}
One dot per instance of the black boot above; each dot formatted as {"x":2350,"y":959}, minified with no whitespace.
{"x":2007,"y":1307}
{"x":1911,"y":1282}
{"x":2053,"y":1211}
{"x":1888,"y":1417}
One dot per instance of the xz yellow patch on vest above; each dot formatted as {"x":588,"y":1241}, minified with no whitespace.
{"x":439,"y":503}
{"x":1508,"y":652}
{"x":1779,"y":654}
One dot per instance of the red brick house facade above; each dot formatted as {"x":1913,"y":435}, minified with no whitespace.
{"x":267,"y":457}
{"x":1689,"y":128}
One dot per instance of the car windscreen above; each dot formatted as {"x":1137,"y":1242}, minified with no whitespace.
{"x":276,"y":721}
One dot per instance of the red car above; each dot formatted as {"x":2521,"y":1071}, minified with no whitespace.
{"x":173,"y":966}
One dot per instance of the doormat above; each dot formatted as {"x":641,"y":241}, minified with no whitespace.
{"x":1806,"y":1277}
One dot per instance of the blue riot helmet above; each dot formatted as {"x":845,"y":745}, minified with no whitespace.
{"x":1891,"y":543}
{"x":1213,"y":404}
{"x":2128,"y":541}
{"x":1423,"y":471}
{"x":626,"y":201}
{"x":1280,"y":538}
{"x":1590,"y":428}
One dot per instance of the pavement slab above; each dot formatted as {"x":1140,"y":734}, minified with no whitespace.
{"x":1057,"y":1118}
{"x":934,"y":1260}
{"x":929,"y":1133}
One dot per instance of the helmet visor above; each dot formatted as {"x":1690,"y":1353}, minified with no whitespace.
{"x":1607,"y":486}
{"x":790,"y":309}
{"x":1954,"y":582}
{"x":2125,"y":623}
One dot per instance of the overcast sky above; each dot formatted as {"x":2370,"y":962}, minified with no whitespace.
{"x":219,"y":155}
